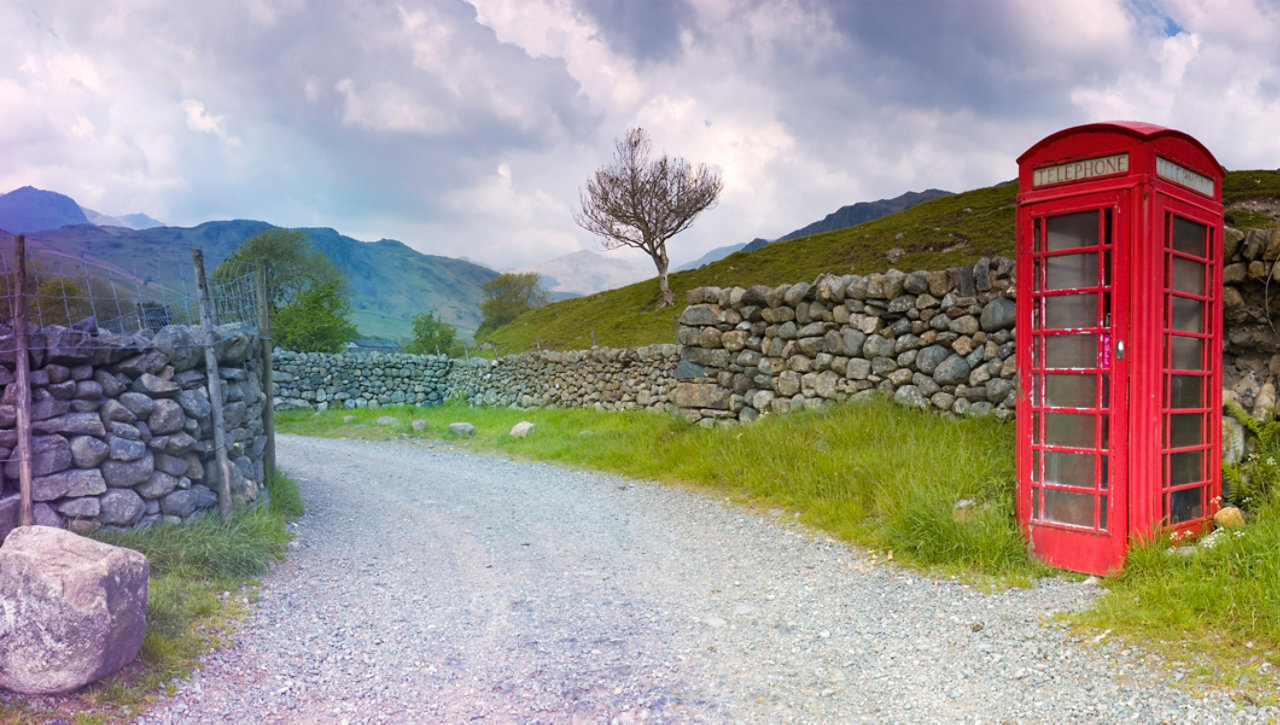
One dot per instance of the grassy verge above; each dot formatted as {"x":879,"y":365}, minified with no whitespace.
{"x":201,"y":580}
{"x":893,"y":479}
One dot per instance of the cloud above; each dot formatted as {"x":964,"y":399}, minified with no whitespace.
{"x":201,"y":121}
{"x":467,"y":128}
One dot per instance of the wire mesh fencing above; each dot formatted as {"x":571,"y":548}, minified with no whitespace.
{"x":94,"y":296}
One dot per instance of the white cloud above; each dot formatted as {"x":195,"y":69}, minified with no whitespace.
{"x":198,"y":119}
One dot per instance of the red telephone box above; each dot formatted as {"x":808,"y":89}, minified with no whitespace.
{"x":1119,"y":326}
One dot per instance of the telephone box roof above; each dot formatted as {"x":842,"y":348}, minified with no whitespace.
{"x":1138,"y":130}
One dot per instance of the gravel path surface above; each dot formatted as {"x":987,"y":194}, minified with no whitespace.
{"x":428,"y":585}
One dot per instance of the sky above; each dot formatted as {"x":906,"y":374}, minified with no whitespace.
{"x":466,"y":128}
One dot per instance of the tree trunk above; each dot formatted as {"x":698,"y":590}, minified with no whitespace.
{"x":661,"y":262}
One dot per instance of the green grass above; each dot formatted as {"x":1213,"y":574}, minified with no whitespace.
{"x":890,"y":478}
{"x":202,"y":576}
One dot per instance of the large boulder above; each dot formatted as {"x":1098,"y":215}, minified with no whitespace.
{"x":75,"y":609}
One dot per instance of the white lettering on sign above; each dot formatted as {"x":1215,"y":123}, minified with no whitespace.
{"x":1182,"y":175}
{"x":1079,"y":170}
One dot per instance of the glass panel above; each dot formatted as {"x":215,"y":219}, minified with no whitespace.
{"x":1072,"y":230}
{"x":1187,"y":276}
{"x":1184,"y":467}
{"x":1069,"y":469}
{"x":1070,"y":429}
{"x":1068,"y":507}
{"x":1035,"y":502}
{"x":1102,"y":512}
{"x":1185,"y":391}
{"x":1187,"y":315}
{"x":1036,"y":435}
{"x":1186,"y":429}
{"x":1036,"y":393}
{"x":1071,"y":270}
{"x":1186,"y":353}
{"x":1106,"y":391}
{"x":1070,"y":391}
{"x":1188,"y":236}
{"x":1035,"y":238}
{"x":1071,"y":351}
{"x":1069,"y":311}
{"x":1186,"y":505}
{"x":1035,"y":465}
{"x":1102,"y":480}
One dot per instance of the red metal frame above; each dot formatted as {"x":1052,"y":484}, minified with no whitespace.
{"x":1120,"y":334}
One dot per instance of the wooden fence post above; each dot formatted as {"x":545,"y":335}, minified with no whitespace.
{"x":22,"y":371}
{"x":215,"y":386}
{"x":268,"y":408}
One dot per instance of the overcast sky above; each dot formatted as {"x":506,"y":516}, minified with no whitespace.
{"x":466,"y":127}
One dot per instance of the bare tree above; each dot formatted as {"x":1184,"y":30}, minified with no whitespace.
{"x":641,"y":203}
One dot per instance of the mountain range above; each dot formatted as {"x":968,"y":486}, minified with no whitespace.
{"x":389,"y":281}
{"x":845,"y":216}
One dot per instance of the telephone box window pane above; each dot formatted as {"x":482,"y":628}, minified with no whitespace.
{"x":1070,"y":271}
{"x":1035,"y":502}
{"x":1068,"y":507}
{"x":1185,"y":391}
{"x":1186,"y":353}
{"x":1186,"y":467}
{"x":1070,"y":391}
{"x":1186,"y":505}
{"x":1035,"y":465}
{"x":1071,"y":311}
{"x":1186,"y":429}
{"x":1072,"y":230}
{"x":1188,"y":236}
{"x":1069,"y":469}
{"x":1071,"y":351}
{"x":1187,"y":315}
{"x":1070,"y":429}
{"x":1187,"y":276}
{"x":1102,"y":512}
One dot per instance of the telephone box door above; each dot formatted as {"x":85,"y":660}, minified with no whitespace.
{"x":1072,"y":373}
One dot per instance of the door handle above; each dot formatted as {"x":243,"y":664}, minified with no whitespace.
{"x":1119,"y":349}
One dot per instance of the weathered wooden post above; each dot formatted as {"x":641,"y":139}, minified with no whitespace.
{"x":215,"y":387}
{"x":22,"y":371}
{"x":268,"y":408}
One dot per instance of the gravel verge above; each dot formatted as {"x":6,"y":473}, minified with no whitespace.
{"x":430,"y":585}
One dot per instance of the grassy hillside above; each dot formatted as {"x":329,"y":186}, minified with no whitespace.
{"x":941,"y":233}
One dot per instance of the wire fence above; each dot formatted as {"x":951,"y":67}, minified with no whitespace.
{"x":93,"y":296}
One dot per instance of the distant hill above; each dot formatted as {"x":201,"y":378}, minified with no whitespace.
{"x":845,"y":216}
{"x":30,"y":210}
{"x":140,"y":221}
{"x":390,"y":282}
{"x":583,"y":272}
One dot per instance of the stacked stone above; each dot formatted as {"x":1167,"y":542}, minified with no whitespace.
{"x":364,"y":380}
{"x":941,"y":339}
{"x":1251,"y":301}
{"x":604,"y":379}
{"x":121,"y":428}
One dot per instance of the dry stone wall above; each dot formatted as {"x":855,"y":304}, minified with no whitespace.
{"x":121,"y":427}
{"x":941,"y":339}
{"x":1251,"y":302}
{"x":607,"y":379}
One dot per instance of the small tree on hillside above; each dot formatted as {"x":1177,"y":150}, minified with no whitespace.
{"x":292,"y":265}
{"x":506,"y":297}
{"x":432,"y":335}
{"x":316,"y":319}
{"x":641,"y":203}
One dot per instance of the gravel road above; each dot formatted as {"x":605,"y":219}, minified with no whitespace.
{"x":430,"y":585}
